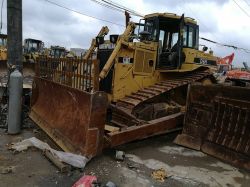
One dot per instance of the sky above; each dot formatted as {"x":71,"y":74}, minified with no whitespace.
{"x":220,"y":20}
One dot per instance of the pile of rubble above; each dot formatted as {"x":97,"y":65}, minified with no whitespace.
{"x":3,"y":115}
{"x":26,"y":122}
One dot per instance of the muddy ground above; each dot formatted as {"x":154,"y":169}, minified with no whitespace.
{"x":184,"y":167}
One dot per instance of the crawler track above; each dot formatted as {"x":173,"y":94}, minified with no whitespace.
{"x":123,"y":110}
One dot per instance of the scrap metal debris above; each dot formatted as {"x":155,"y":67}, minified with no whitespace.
{"x":3,"y":115}
{"x":159,"y":175}
{"x":77,"y":161}
{"x":217,"y":122}
{"x":61,"y":166}
{"x":26,"y":122}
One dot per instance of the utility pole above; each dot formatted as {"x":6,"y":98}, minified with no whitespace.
{"x":14,"y":30}
{"x":14,"y":48}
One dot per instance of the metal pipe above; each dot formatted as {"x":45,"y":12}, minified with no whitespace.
{"x":14,"y":50}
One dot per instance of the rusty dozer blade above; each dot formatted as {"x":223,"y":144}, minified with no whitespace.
{"x":28,"y":74}
{"x":73,"y":118}
{"x":217,"y":122}
{"x":67,"y":106}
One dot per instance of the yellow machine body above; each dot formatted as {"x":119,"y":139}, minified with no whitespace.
{"x":32,"y":49}
{"x":129,"y":77}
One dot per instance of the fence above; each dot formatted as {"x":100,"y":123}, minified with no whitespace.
{"x":76,"y":73}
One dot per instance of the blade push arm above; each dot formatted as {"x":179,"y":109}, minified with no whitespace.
{"x":104,"y":31}
{"x":122,"y":38}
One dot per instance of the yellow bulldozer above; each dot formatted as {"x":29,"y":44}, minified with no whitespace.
{"x":135,"y":88}
{"x":32,"y":48}
{"x":57,"y":52}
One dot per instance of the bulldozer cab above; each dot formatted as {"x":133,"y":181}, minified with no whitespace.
{"x":172,"y":33}
{"x":57,"y":52}
{"x":32,"y":46}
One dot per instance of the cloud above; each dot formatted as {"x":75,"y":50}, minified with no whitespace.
{"x":219,"y":20}
{"x":178,"y":3}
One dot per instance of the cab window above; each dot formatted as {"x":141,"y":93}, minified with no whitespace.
{"x":161,"y":38}
{"x":174,"y":38}
{"x":197,"y":38}
{"x":191,"y":37}
{"x":150,"y":27}
{"x":185,"y":36}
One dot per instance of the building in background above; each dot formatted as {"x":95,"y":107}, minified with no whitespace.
{"x":78,"y":51}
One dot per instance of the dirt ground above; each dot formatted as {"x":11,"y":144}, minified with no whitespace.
{"x":184,"y":167}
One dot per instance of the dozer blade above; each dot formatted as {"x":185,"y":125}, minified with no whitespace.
{"x":28,"y":74}
{"x":217,"y":122}
{"x":73,"y":118}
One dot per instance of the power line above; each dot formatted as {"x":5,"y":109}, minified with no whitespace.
{"x":115,"y":6}
{"x":247,"y":2}
{"x":226,"y":45}
{"x":75,"y":11}
{"x":109,"y":2}
{"x":217,"y":43}
{"x":72,"y":10}
{"x":200,"y":22}
{"x":107,"y":6}
{"x":243,"y":10}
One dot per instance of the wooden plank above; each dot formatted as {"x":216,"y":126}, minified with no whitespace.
{"x":111,"y":128}
{"x":60,"y":165}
